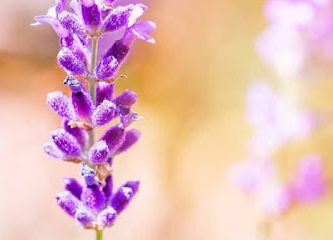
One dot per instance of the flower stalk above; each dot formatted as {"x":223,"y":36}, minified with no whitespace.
{"x":92,"y":83}
{"x":99,"y":234}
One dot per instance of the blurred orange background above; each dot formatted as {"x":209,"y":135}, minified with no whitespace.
{"x":191,"y":88}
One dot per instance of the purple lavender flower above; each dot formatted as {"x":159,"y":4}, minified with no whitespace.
{"x":82,"y":26}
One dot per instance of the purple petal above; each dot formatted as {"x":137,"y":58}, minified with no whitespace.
{"x":99,"y":153}
{"x":104,"y":113}
{"x":104,"y":91}
{"x":66,"y":143}
{"x":69,"y":60}
{"x":114,"y":137}
{"x":127,"y":98}
{"x":93,"y":198}
{"x":119,"y":51}
{"x":108,"y":188}
{"x":131,"y":137}
{"x":80,"y":98}
{"x":44,"y":19}
{"x":53,"y":151}
{"x":107,"y":217}
{"x":107,"y":68}
{"x":128,"y":119}
{"x":67,"y":202}
{"x":137,"y":11}
{"x":141,"y":31}
{"x":85,"y":218}
{"x":134,"y":185}
{"x":73,"y":186}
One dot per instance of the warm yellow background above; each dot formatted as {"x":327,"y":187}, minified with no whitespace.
{"x":192,"y":88}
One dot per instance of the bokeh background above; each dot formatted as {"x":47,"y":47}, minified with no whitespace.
{"x":192,"y":86}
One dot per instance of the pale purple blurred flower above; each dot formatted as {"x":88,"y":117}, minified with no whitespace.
{"x":275,"y":120}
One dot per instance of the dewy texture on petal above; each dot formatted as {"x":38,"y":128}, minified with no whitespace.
{"x":61,"y":104}
{"x":71,"y":62}
{"x":117,"y":18}
{"x":99,"y":153}
{"x":66,"y":143}
{"x":71,"y":23}
{"x":104,"y":113}
{"x":108,"y":68}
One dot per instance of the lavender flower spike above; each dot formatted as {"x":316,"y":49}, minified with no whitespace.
{"x":91,"y":70}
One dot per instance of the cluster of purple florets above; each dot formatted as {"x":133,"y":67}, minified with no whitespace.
{"x":83,"y":26}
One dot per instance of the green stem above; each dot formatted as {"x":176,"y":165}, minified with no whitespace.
{"x":265,"y":229}
{"x":99,"y":234}
{"x":92,"y":83}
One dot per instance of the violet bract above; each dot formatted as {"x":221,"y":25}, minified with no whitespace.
{"x":81,"y":27}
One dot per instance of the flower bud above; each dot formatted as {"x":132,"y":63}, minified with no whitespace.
{"x":61,"y":104}
{"x":72,"y":62}
{"x":107,"y":68}
{"x":78,"y":133}
{"x":104,"y":91}
{"x":91,"y":14}
{"x":131,"y":137}
{"x":71,"y":23}
{"x":73,"y":186}
{"x":66,"y":143}
{"x":117,"y":18}
{"x":114,"y":137}
{"x":104,"y":113}
{"x":85,"y":218}
{"x":119,"y":51}
{"x":67,"y":202}
{"x":80,"y":98}
{"x":127,"y":98}
{"x":121,"y":198}
{"x":99,"y":153}
{"x":106,"y":217}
